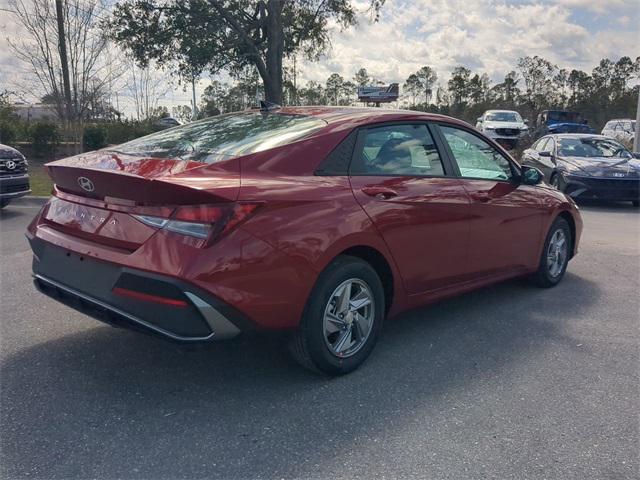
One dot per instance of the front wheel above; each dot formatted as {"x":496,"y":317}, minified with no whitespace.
{"x":555,"y":255}
{"x":342,"y":319}
{"x":557,"y":182}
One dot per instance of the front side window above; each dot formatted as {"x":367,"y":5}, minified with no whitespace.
{"x":540,"y":144}
{"x":398,"y":150}
{"x":475,"y":157}
{"x":549,"y":146}
{"x":224,"y":136}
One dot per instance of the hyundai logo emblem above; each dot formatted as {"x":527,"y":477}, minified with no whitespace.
{"x":10,"y":164}
{"x":86,"y":184}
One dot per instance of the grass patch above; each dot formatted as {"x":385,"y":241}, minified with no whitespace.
{"x":41,"y":183}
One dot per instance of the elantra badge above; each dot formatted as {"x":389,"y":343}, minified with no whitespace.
{"x":618,"y":174}
{"x":86,"y":184}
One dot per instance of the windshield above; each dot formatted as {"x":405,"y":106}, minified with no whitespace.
{"x":562,"y":117}
{"x":591,"y":147}
{"x":224,"y":136}
{"x":503,"y":117}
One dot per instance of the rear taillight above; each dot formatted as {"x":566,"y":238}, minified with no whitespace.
{"x":204,"y":222}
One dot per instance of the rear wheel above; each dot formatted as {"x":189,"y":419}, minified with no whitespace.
{"x":555,"y":255}
{"x":342,"y":319}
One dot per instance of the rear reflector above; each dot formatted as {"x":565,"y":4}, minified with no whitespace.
{"x":125,"y":292}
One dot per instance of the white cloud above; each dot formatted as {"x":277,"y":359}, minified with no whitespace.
{"x":484,"y":35}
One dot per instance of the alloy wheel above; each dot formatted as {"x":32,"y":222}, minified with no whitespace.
{"x":557,"y":253}
{"x":348,"y":317}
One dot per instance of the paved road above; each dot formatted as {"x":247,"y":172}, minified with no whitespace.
{"x":508,"y":382}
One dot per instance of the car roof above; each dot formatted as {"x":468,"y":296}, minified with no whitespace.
{"x":622,"y":120}
{"x":356,"y":116}
{"x":579,"y":135}
{"x":500,"y":111}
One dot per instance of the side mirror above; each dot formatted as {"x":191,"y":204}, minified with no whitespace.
{"x":636,"y":155}
{"x":545,"y":154}
{"x":526,"y":122}
{"x":479,"y":120}
{"x":531,"y":175}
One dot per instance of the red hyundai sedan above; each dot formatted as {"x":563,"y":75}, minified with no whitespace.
{"x":318,"y":221}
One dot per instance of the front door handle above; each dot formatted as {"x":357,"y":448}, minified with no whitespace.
{"x":381,"y":193}
{"x":481,"y":197}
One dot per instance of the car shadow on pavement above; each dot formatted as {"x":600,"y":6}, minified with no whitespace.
{"x":107,"y":403}
{"x":607,"y":206}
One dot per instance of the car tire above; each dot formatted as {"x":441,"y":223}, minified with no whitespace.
{"x":557,"y":182}
{"x":323,"y":344}
{"x":4,"y":203}
{"x":555,"y":256}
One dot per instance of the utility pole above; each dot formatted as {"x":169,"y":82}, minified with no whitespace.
{"x":62,"y":49}
{"x":636,"y":137}
{"x":194,"y":114}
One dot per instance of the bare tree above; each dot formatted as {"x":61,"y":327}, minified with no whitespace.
{"x":83,"y":45}
{"x":145,"y":86}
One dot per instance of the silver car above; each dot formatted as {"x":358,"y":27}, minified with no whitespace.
{"x":622,"y":129}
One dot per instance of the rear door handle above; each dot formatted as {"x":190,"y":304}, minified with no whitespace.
{"x":381,"y":193}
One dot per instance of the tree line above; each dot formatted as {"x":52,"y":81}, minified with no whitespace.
{"x":535,"y":84}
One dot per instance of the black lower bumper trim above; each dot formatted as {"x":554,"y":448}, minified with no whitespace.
{"x":87,"y":285}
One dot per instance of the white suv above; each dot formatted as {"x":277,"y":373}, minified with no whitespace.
{"x":504,"y":126}
{"x":623,"y":130}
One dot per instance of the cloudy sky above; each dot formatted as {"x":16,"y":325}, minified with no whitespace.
{"x":483,"y":35}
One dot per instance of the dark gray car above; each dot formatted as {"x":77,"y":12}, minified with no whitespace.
{"x":587,"y":166}
{"x":14,"y":178}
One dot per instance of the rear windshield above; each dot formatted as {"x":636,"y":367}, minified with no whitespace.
{"x":224,"y":136}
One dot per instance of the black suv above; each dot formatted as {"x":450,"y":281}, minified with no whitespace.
{"x":14,"y":179}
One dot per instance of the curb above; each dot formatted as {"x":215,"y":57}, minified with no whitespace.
{"x":29,"y":201}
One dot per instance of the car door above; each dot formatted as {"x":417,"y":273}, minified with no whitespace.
{"x":506,"y":216}
{"x":541,"y":156}
{"x":419,"y":207}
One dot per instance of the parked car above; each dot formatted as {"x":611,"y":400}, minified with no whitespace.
{"x":561,"y":121}
{"x":623,"y":130}
{"x":319,"y":221}
{"x":504,"y":126}
{"x":14,"y":176}
{"x":587,"y":166}
{"x":166,"y":122}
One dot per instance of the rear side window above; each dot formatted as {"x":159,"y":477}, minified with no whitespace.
{"x":224,"y":136}
{"x":397,"y":150}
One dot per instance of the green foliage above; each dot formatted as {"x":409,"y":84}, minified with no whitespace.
{"x":8,"y":132}
{"x":94,"y":137}
{"x":120,"y":132}
{"x":191,"y":37}
{"x":45,"y":138}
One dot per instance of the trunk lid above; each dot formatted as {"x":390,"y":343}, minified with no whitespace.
{"x":97,"y":194}
{"x":127,"y":179}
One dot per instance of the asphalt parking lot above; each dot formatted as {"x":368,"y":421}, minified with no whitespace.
{"x":507,"y":382}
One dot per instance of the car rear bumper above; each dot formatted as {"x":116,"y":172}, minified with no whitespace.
{"x":14,"y":186}
{"x":621,"y":189}
{"x":134,"y":299}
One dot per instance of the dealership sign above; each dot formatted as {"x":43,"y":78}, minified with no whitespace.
{"x":379,"y":94}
